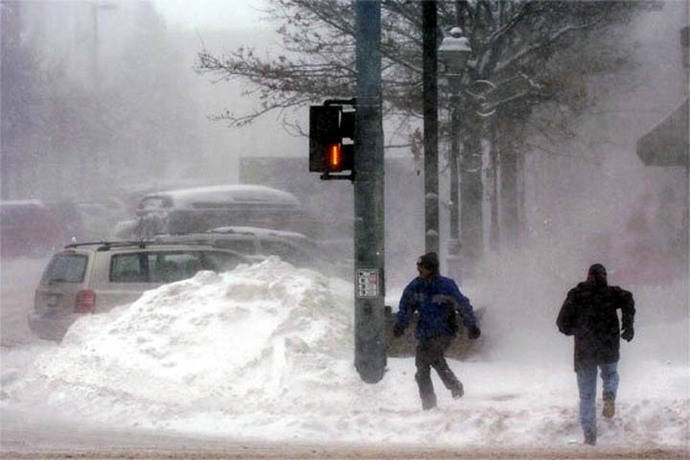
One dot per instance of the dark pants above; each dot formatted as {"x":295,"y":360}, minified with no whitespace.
{"x":430,"y":354}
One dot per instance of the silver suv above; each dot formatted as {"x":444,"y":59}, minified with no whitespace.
{"x":259,"y":243}
{"x":95,"y":277}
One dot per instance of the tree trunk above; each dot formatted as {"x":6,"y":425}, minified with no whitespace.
{"x":492,"y":178}
{"x":471,"y":194}
{"x":522,"y":200}
{"x":510,"y":197}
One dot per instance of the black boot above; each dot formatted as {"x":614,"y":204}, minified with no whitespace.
{"x":458,"y":391}
{"x":426,"y":390}
{"x":428,"y":401}
{"x":591,"y":437}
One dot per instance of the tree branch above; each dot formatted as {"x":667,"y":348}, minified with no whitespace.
{"x":531,"y":49}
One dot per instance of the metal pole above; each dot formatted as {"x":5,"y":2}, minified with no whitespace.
{"x":430,"y":85}
{"x":453,"y":263}
{"x":370,"y":337}
{"x":685,"y":46}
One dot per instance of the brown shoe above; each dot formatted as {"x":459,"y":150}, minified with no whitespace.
{"x":609,"y":408}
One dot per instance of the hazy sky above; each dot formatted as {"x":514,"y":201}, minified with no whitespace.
{"x":210,"y":14}
{"x":221,"y":26}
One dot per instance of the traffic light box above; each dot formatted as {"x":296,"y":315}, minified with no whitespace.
{"x":331,"y":139}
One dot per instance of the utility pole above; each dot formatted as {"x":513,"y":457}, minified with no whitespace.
{"x":370,"y":337}
{"x":430,"y":86}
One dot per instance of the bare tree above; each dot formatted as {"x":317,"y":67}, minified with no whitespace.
{"x":518,"y":46}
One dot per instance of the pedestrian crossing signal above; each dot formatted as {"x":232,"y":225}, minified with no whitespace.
{"x":335,"y":157}
{"x":331,"y":141}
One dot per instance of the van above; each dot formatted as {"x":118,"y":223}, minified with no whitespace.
{"x":202,"y":208}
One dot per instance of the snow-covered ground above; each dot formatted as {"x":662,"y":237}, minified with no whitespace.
{"x":266,"y":352}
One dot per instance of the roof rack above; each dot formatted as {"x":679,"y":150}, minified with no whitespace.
{"x":106,"y":245}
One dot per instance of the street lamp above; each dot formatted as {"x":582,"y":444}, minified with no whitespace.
{"x":454,"y":51}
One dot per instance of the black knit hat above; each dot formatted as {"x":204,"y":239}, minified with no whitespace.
{"x":597,"y":274}
{"x":429,"y":261}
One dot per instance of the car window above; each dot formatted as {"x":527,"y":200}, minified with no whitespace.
{"x":285,"y":251}
{"x":154,"y":202}
{"x":222,"y":261}
{"x":242,"y":246}
{"x":128,"y":268}
{"x":169,"y":266}
{"x":66,"y":268}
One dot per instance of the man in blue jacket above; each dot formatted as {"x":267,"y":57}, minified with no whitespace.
{"x":436,"y":299}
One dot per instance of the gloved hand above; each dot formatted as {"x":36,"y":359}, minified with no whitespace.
{"x":473,"y":333}
{"x":628,"y":333}
{"x":398,"y":330}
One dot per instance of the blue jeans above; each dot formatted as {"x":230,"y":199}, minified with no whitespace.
{"x":587,"y":384}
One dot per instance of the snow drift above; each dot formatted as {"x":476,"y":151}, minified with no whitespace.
{"x":265,"y":351}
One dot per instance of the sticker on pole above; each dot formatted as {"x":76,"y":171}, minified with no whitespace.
{"x":367,"y":282}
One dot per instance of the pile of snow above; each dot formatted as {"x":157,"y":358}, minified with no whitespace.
{"x":266,"y":351}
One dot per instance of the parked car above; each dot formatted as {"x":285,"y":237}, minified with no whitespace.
{"x":29,"y":229}
{"x":258,"y":243}
{"x":202,"y":208}
{"x":95,"y":277}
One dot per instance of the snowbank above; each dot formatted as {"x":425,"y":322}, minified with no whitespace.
{"x":266,"y":352}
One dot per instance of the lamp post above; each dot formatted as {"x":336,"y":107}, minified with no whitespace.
{"x":453,"y":53}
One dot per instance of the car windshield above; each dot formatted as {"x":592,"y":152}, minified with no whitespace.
{"x":65,"y":268}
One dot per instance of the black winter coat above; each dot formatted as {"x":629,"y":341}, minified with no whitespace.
{"x":590,"y":314}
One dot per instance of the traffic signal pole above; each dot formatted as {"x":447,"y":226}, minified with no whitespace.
{"x":429,"y":78}
{"x":370,"y":337}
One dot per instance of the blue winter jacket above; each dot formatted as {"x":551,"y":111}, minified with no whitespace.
{"x":436,"y":300}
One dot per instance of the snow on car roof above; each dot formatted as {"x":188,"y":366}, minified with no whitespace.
{"x":229,"y":193}
{"x":258,"y":231}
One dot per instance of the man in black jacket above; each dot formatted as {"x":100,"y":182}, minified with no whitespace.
{"x":590,"y":314}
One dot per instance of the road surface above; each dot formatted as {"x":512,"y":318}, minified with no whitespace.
{"x":45,"y":437}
